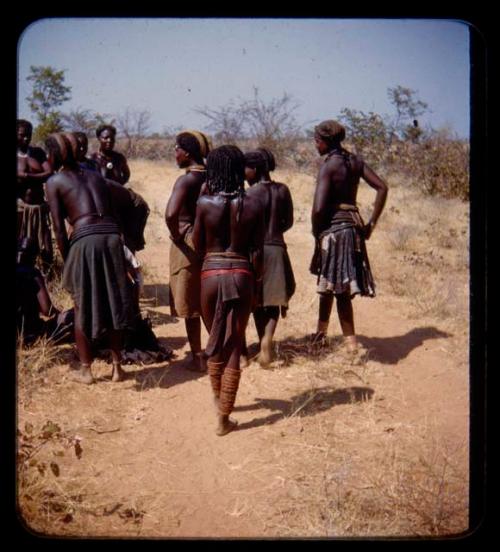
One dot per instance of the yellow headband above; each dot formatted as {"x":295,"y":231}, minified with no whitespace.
{"x":203,"y":140}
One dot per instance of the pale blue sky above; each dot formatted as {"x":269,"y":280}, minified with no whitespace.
{"x":171,"y":66}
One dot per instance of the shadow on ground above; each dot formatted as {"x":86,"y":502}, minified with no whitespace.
{"x":156,"y":293}
{"x":390,"y":350}
{"x":308,"y":403}
{"x":166,"y":375}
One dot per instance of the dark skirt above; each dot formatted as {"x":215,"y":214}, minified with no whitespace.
{"x":224,"y":267}
{"x":344,"y":264}
{"x":95,"y":275}
{"x":278,"y":278}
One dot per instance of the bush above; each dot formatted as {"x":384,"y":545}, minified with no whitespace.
{"x":439,"y":165}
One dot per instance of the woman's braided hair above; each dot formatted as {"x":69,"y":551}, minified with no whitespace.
{"x":225,"y":170}
{"x":226,"y":173}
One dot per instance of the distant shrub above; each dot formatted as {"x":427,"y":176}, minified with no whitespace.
{"x":439,"y":165}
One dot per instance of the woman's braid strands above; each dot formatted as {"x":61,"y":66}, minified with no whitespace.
{"x":225,"y":170}
{"x":226,"y":173}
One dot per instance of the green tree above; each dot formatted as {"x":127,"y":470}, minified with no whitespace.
{"x":49,"y":93}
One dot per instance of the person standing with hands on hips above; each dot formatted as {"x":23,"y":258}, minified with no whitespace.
{"x":340,"y":260}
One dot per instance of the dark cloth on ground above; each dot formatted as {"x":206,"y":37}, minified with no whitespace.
{"x":224,"y":266}
{"x":278,"y":278}
{"x":343,"y":264}
{"x":141,"y":344}
{"x":184,"y":279}
{"x":95,"y":275}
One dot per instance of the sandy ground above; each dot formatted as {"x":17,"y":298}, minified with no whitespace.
{"x":326,"y":447}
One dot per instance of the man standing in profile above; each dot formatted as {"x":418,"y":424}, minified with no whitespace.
{"x":191,"y":148}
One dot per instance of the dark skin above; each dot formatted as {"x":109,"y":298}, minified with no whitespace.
{"x":31,"y":173}
{"x":84,"y":198}
{"x":179,"y":217}
{"x":82,"y":149}
{"x":278,"y":208}
{"x":113,"y":165}
{"x":335,"y":184}
{"x":45,"y":305}
{"x":216,"y":229}
{"x":33,"y":169}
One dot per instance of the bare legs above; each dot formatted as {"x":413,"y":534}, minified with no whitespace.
{"x":193,"y":330}
{"x":266,"y":320}
{"x":84,"y":348}
{"x":345,"y":314}
{"x":224,"y":365}
{"x":115,"y":344}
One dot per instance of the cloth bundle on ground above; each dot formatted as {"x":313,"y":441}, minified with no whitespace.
{"x":141,"y":344}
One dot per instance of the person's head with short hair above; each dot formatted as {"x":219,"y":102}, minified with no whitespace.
{"x":61,"y":150}
{"x":255,"y":166}
{"x":225,"y":170}
{"x":191,"y":145}
{"x":24,"y":133}
{"x":106,"y":134}
{"x":270,"y":159}
{"x":328,"y":135}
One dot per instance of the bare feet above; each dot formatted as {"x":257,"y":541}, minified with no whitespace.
{"x":118,"y":374}
{"x":198,"y":364}
{"x":266,"y":352}
{"x":351,"y":344}
{"x":226,"y":425}
{"x":82,"y":375}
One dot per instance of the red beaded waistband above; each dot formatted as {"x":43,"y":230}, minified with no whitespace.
{"x":222,"y":271}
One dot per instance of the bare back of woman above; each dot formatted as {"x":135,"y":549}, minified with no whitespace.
{"x":229,"y":233}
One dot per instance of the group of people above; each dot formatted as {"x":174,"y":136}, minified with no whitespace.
{"x":228,"y":257}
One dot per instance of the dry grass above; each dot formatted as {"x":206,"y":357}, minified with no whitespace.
{"x":403,"y":480}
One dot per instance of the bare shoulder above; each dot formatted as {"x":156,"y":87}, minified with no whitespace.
{"x":56,"y":180}
{"x":253,"y":201}
{"x":206,"y":201}
{"x":282,"y":189}
{"x":185,"y":181}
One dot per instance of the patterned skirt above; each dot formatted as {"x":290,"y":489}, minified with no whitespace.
{"x":344,"y":264}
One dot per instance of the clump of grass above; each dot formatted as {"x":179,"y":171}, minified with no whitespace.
{"x":408,"y":484}
{"x":438,"y":299}
{"x":400,"y":238}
